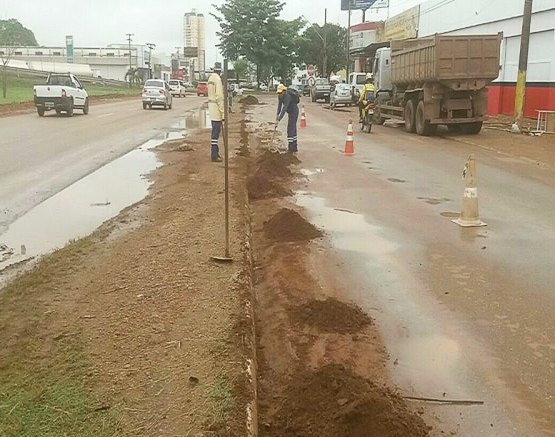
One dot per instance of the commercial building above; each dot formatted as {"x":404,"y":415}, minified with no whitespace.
{"x":473,"y":17}
{"x":194,"y":37}
{"x":111,"y":62}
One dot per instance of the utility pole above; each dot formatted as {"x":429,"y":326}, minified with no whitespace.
{"x":150,"y":47}
{"x":349,"y":43}
{"x":325,"y":43}
{"x":129,"y":39}
{"x":520,"y":94}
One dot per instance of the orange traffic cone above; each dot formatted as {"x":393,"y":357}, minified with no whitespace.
{"x":469,"y":214}
{"x":303,"y":117}
{"x":350,"y":144}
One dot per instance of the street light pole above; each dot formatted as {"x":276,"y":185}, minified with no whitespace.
{"x":520,"y":93}
{"x":325,"y":43}
{"x":150,"y":46}
{"x":129,"y":39}
{"x":349,"y":43}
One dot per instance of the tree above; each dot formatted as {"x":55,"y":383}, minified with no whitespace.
{"x":311,"y":46}
{"x":241,"y":67}
{"x":251,"y":29}
{"x":12,"y":35}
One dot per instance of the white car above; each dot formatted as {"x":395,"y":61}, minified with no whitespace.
{"x":177,"y":88}
{"x":62,"y":93}
{"x":157,"y":92}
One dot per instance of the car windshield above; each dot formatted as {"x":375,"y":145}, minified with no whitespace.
{"x":342,"y":87}
{"x":361,"y":79}
{"x":202,"y":83}
{"x":60,"y":80}
{"x":174,"y":82}
{"x":154,"y":84}
{"x":322,"y":82}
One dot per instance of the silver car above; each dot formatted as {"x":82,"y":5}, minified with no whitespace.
{"x":341,"y":95}
{"x":157,"y":92}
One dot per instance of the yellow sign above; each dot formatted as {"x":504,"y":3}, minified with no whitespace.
{"x":403,"y":25}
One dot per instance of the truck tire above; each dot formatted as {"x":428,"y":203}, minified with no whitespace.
{"x":410,"y":114}
{"x":378,"y":119}
{"x":471,"y":128}
{"x":40,"y":111}
{"x":86,"y":107}
{"x":423,"y":127}
{"x":144,"y":105}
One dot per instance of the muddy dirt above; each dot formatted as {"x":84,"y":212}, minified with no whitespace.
{"x":260,"y":187}
{"x":334,"y":402}
{"x":331,"y":316}
{"x":271,"y":168}
{"x":289,"y":225}
{"x":249,"y":100}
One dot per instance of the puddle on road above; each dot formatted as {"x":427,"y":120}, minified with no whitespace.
{"x":307,"y":172}
{"x":198,"y":119}
{"x":82,"y":207}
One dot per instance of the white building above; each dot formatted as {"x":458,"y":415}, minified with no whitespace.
{"x":110,"y":62}
{"x":194,"y":35}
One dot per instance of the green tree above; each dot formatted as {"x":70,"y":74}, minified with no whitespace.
{"x":312,"y":49}
{"x":241,"y":67}
{"x":12,"y":35}
{"x":251,"y":29}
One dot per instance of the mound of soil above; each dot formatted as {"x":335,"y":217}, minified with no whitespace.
{"x":260,"y":187}
{"x":289,"y":225}
{"x":275,"y":164}
{"x":334,"y":402}
{"x":331,"y":316}
{"x":249,"y":100}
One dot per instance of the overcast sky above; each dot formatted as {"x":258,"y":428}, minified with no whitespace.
{"x":95,"y":23}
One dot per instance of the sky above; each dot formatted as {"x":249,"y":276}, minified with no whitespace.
{"x":97,"y":23}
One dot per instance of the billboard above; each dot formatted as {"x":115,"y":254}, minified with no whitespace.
{"x":69,"y":49}
{"x":356,"y":4}
{"x":190,"y":52}
{"x":404,"y":25}
{"x":379,"y":4}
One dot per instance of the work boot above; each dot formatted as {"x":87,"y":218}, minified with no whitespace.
{"x":218,"y":159}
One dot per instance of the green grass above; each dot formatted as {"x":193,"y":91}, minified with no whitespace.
{"x":222,"y":398}
{"x":20,"y":89}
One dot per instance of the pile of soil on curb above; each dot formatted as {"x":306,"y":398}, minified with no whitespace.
{"x":274,"y":164}
{"x":331,"y":316}
{"x":335,"y":402}
{"x":249,"y":100}
{"x":289,"y":225}
{"x":260,"y":187}
{"x":270,"y":166}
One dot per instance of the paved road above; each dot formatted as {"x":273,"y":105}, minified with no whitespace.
{"x":41,"y":156}
{"x":465,"y":313}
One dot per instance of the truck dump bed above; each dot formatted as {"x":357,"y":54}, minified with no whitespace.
{"x":447,"y":59}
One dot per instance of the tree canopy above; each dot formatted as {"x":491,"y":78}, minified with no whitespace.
{"x":311,"y":46}
{"x":13,"y":33}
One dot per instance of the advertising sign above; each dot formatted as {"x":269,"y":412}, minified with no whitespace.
{"x":380,"y":4}
{"x":69,"y":49}
{"x":356,"y":4}
{"x":190,"y":52}
{"x":404,"y":25}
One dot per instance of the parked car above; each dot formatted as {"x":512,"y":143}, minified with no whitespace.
{"x":356,"y":82}
{"x":177,"y":88}
{"x":202,"y":89}
{"x":62,"y":93}
{"x":157,"y":92}
{"x":321,"y":90}
{"x":341,"y":95}
{"x":237,"y":90}
{"x":263,"y":87}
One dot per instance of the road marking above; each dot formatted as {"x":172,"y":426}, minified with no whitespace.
{"x":105,"y":115}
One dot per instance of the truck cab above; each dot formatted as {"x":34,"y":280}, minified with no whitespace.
{"x":382,"y":70}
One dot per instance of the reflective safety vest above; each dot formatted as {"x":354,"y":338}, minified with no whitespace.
{"x":368,"y":88}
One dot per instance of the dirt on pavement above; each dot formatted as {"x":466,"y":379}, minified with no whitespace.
{"x":321,"y":363}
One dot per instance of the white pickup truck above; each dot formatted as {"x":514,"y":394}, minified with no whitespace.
{"x":62,"y":93}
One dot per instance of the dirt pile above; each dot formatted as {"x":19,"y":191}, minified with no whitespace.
{"x":289,"y":225}
{"x":331,"y":316}
{"x":249,"y":100}
{"x":334,"y":402}
{"x":270,"y":166}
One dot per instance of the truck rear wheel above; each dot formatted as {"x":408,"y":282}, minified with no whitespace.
{"x":423,"y":127}
{"x":410,"y":117}
{"x":471,"y":128}
{"x":40,"y":111}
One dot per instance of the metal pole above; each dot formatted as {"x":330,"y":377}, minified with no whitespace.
{"x":520,"y":94}
{"x":349,"y":43}
{"x":129,"y":35}
{"x":226,"y":157}
{"x":325,"y":43}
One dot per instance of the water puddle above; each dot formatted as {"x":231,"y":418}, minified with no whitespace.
{"x":199,"y":119}
{"x":307,"y":172}
{"x":79,"y":209}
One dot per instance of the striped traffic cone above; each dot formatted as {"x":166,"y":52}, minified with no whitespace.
{"x":303,"y":117}
{"x":349,"y":143}
{"x":469,"y":214}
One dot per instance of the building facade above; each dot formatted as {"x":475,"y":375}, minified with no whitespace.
{"x":194,"y":36}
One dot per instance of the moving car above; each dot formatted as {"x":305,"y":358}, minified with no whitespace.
{"x":321,"y":90}
{"x":62,"y":93}
{"x":341,"y":95}
{"x":157,"y":92}
{"x":177,"y":87}
{"x":202,"y":89}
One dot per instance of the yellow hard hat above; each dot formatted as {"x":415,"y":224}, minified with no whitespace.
{"x":281,"y":88}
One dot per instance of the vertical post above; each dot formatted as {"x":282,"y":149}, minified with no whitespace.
{"x":364,"y":15}
{"x":349,"y":43}
{"x":325,"y":43}
{"x":226,"y":156}
{"x":129,"y":35}
{"x":520,"y":94}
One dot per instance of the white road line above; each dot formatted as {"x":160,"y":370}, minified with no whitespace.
{"x":105,"y":115}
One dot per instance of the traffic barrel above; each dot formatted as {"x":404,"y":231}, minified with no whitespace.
{"x":303,"y":117}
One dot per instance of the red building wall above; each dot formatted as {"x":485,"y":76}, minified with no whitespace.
{"x":538,"y":96}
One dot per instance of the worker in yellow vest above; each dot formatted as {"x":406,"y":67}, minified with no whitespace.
{"x":367,"y":90}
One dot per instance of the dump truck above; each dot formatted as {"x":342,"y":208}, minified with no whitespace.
{"x":438,"y":80}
